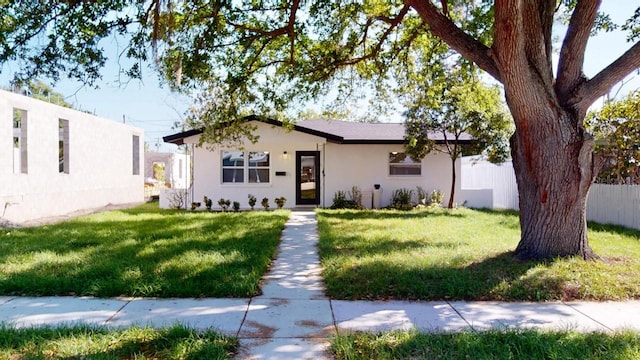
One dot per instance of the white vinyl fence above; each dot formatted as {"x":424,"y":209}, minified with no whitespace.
{"x":614,"y":204}
{"x":485,"y":185}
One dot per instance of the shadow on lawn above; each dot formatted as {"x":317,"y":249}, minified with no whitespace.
{"x":501,"y":277}
{"x":122,"y":343}
{"x":171,"y":254}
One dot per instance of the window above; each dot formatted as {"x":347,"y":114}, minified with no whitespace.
{"x":63,"y":146}
{"x":236,"y":170}
{"x":20,"y":142}
{"x":136,"y":154}
{"x":401,"y":164}
{"x":259,"y":167}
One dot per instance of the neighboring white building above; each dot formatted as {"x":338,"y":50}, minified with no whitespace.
{"x":166,"y":170}
{"x":310,"y":163}
{"x":55,"y":160}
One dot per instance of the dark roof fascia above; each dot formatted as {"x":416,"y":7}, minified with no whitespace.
{"x":391,"y":142}
{"x":178,"y":139}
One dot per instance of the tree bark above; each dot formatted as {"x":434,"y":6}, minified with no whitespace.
{"x":552,"y":153}
{"x":453,"y":183}
{"x":554,"y":169}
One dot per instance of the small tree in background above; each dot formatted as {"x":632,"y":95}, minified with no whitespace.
{"x":455,"y":108}
{"x":616,"y":128}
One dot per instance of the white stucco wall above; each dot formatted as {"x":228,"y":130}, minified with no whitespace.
{"x":366,"y":165}
{"x":177,"y":167}
{"x":100,"y":162}
{"x":344,"y":166}
{"x":207,"y":167}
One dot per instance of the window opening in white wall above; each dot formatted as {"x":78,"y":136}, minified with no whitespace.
{"x":236,"y":170}
{"x":401,"y":164}
{"x":159,"y":172}
{"x":136,"y":155}
{"x":63,"y":146}
{"x":20,"y":153}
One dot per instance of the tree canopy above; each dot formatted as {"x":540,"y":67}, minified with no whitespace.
{"x":264,"y":56}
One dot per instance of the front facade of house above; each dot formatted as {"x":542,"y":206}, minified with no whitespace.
{"x":55,"y":160}
{"x":312,"y":162}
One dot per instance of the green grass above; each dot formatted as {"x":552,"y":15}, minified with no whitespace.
{"x":465,"y":254}
{"x":142,"y":251}
{"x":84,"y":342}
{"x":513,"y":344}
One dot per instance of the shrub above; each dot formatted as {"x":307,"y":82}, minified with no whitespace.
{"x":265,"y":203}
{"x":177,"y":199}
{"x":208,"y":203}
{"x":224,"y":204}
{"x":195,"y":205}
{"x":355,"y":195}
{"x":401,"y":199}
{"x":252,"y":201}
{"x":236,"y":206}
{"x":423,"y":196}
{"x":340,"y":201}
{"x":280,"y":202}
{"x":436,"y":198}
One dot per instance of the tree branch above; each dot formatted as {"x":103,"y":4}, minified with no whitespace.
{"x":573,"y":48}
{"x":537,"y":21}
{"x":288,"y":29}
{"x":442,"y":27}
{"x":600,"y":84}
{"x":508,"y":47}
{"x":393,"y":24}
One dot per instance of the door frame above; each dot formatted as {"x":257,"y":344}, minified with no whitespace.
{"x":299,"y":199}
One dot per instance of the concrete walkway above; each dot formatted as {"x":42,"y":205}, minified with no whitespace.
{"x":293,"y":319}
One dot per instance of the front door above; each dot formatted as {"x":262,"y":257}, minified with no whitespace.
{"x":307,"y":177}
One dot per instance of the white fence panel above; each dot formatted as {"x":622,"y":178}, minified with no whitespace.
{"x":607,"y":204}
{"x":478,"y":175}
{"x":614,"y":204}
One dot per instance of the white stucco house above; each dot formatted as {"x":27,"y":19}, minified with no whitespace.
{"x":310,"y":163}
{"x":55,"y":160}
{"x":166,"y":170}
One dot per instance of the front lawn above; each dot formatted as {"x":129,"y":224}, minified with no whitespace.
{"x":499,"y":345}
{"x":142,"y":251}
{"x":85,"y":342}
{"x":465,"y":254}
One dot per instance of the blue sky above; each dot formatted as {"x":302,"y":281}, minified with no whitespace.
{"x":155,"y":109}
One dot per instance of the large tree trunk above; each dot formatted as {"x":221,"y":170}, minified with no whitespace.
{"x":552,"y":154}
{"x":553,"y":163}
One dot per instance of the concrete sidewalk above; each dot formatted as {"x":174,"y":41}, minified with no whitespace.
{"x":293,"y":319}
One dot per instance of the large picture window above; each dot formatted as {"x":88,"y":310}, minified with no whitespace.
{"x":401,"y":164}
{"x":236,"y":168}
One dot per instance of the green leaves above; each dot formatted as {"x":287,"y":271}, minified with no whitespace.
{"x":451,"y":103}
{"x":616,"y":128}
{"x":51,"y":39}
